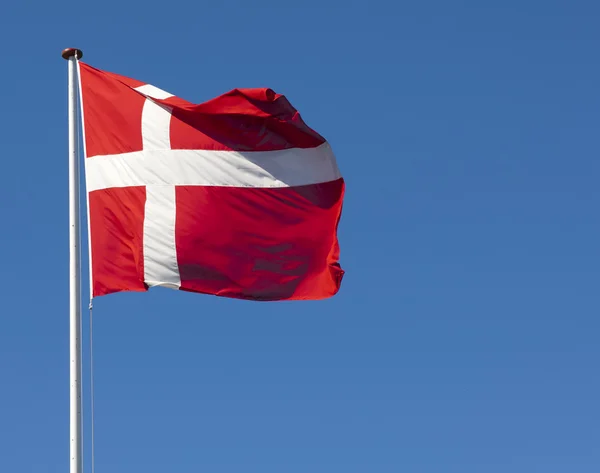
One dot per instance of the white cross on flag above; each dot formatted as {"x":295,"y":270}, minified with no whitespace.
{"x":235,"y":197}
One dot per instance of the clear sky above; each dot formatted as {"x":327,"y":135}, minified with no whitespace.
{"x":465,"y":336}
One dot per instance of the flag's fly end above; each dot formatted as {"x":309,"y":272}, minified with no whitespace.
{"x":70,"y":52}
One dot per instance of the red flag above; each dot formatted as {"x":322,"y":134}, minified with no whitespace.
{"x":235,"y":197}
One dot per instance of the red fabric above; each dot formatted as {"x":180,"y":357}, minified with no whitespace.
{"x":116,"y":231}
{"x":248,"y":243}
{"x":266,"y":244}
{"x":112,"y":113}
{"x":240,"y":120}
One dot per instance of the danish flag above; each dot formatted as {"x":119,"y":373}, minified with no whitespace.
{"x":235,"y":197}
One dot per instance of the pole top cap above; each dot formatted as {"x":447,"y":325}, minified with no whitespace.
{"x":70,"y":52}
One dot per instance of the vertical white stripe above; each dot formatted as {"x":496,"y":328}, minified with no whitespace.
{"x":156,"y":126}
{"x":160,"y":252}
{"x":160,"y":255}
{"x":154,"y":92}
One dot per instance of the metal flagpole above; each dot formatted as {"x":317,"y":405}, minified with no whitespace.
{"x":72,"y":55}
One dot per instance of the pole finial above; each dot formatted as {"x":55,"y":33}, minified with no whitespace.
{"x":70,"y":52}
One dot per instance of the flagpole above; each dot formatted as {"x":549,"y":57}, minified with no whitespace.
{"x":76,"y":451}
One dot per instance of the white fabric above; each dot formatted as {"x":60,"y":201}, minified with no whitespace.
{"x":160,"y":252}
{"x":284,"y":168}
{"x":156,"y":126}
{"x":154,"y":92}
{"x":160,"y":256}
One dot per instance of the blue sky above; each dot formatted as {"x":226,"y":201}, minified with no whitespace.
{"x":465,"y":336}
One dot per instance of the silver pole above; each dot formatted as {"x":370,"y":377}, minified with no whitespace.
{"x":72,"y":55}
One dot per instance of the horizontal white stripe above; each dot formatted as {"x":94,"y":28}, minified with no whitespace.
{"x":282,"y":168}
